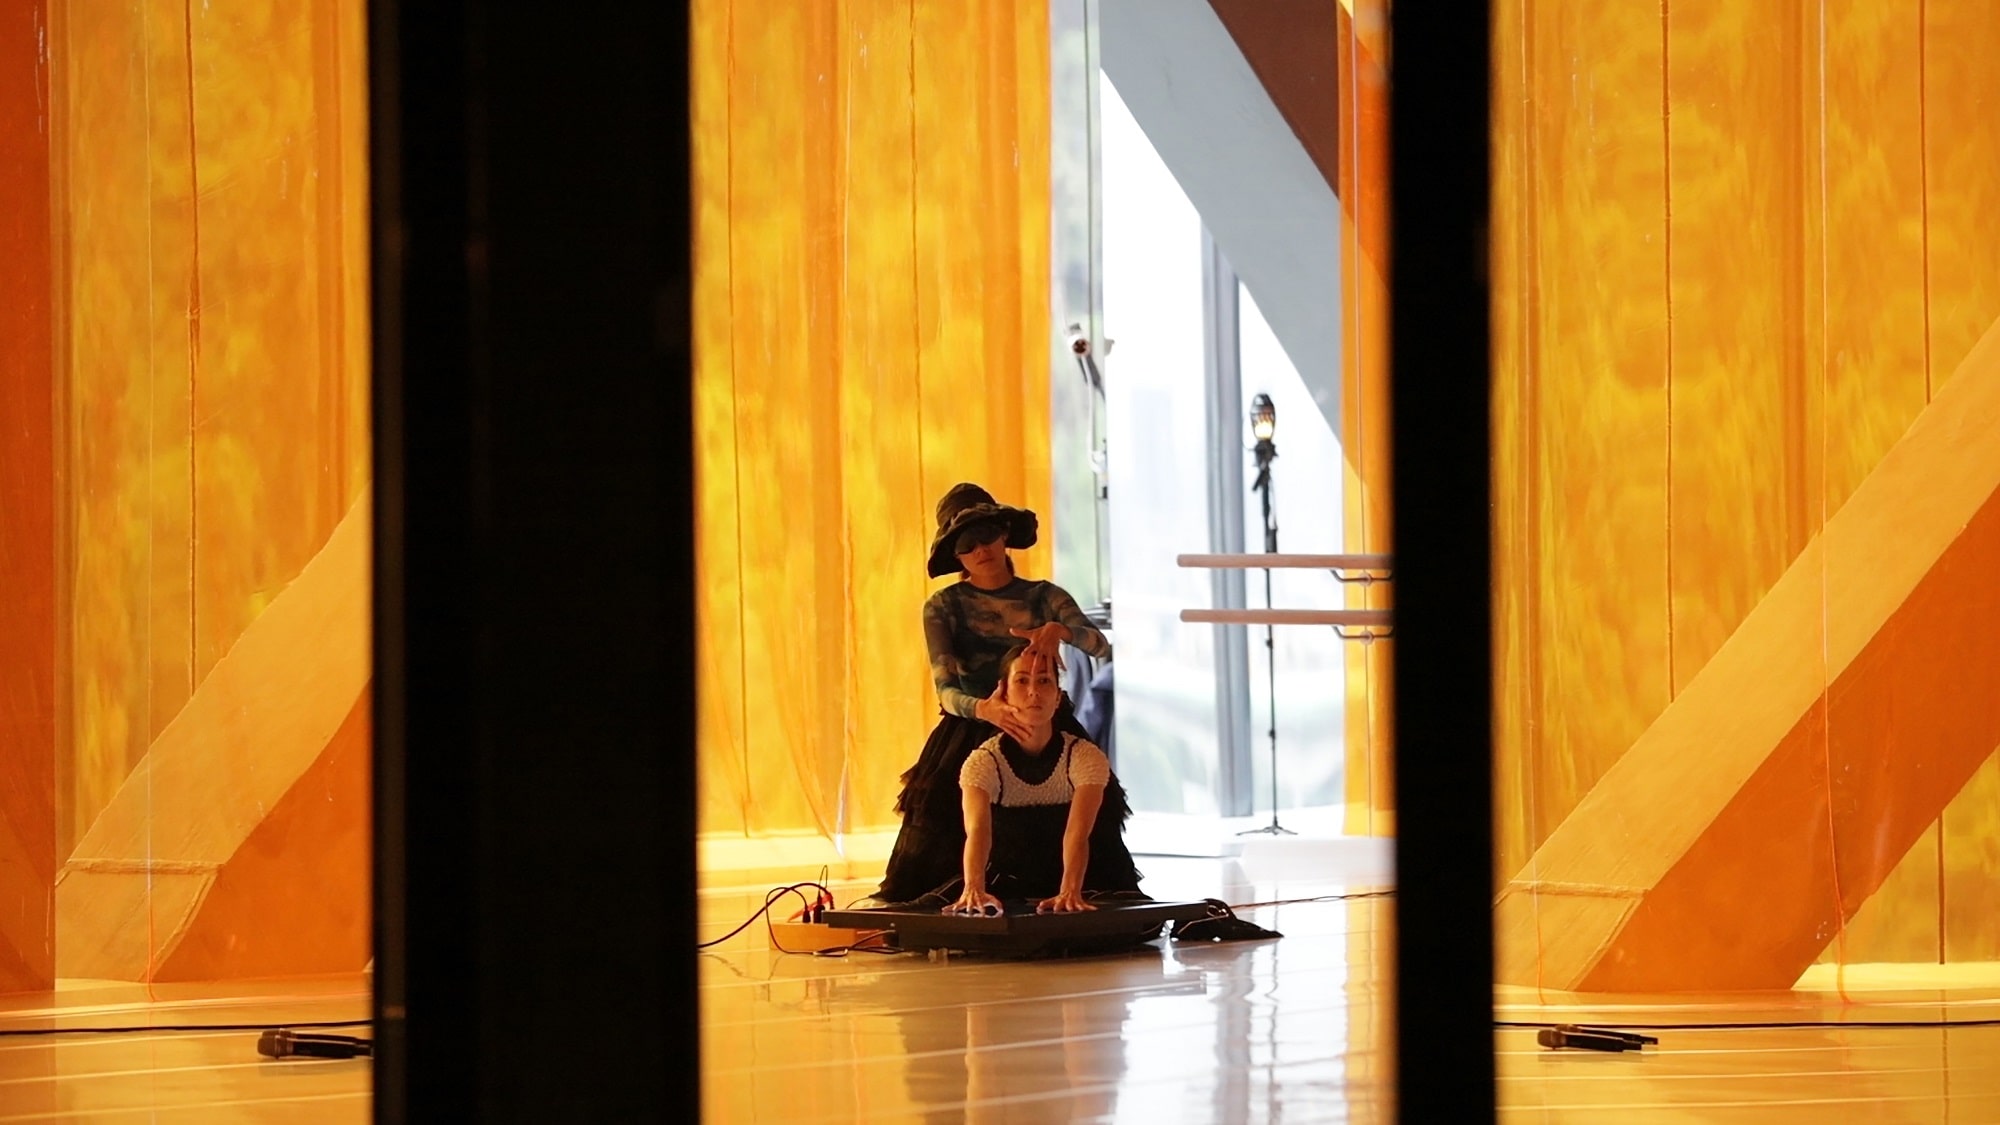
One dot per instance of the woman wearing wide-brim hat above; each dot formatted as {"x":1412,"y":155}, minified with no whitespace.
{"x":969,"y":626}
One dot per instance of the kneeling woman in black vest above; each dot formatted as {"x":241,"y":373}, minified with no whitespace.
{"x":1036,"y":825}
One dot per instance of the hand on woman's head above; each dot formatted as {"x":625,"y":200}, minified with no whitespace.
{"x":1045,"y":642}
{"x":996,"y":710}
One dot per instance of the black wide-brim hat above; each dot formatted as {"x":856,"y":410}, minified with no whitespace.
{"x":965,"y":505}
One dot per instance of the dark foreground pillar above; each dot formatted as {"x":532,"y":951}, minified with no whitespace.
{"x":534,"y":702}
{"x":1439,"y":380}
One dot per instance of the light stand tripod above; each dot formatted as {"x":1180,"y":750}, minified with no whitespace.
{"x":1263,"y":423}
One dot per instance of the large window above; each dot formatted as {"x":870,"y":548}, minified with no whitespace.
{"x":1183,"y":744}
{"x":1166,"y":717}
{"x":1306,"y":498}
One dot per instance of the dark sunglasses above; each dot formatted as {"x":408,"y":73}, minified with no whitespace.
{"x":978,"y":535}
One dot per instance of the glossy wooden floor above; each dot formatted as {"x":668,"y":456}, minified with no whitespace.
{"x":1290,"y":1030}
{"x":1284,"y":1030}
{"x":200,"y":1078}
{"x":1834,"y":1072}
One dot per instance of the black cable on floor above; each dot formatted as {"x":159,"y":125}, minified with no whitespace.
{"x":1777,"y":1025}
{"x":1390,"y":893}
{"x":844,"y":950}
{"x":32,"y":1032}
{"x":763,"y":911}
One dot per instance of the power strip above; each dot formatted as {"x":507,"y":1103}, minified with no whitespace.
{"x":812,"y":937}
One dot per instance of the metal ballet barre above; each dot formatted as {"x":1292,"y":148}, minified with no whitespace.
{"x":1346,"y":568}
{"x":1366,"y":624}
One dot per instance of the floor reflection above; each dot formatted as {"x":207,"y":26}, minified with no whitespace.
{"x":1209,"y":1032}
{"x":197,"y":1077}
{"x":1003,"y":1052}
{"x":1299,"y":1030}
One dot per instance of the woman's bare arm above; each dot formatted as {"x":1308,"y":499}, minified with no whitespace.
{"x":1076,"y":851}
{"x":978,"y":807}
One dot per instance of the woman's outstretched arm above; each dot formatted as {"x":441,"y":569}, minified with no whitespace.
{"x":978,"y":845}
{"x":1076,"y":851}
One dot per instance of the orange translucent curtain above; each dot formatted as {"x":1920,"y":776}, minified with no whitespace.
{"x":1738,"y":249}
{"x":27,"y":510}
{"x":209,"y":194}
{"x":1362,"y":33}
{"x":871,"y":310}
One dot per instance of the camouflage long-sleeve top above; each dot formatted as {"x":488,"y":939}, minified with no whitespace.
{"x":968,"y":630}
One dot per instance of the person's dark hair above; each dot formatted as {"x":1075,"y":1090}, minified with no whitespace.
{"x":1014,"y":655}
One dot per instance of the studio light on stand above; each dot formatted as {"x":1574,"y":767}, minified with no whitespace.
{"x":1100,"y":464}
{"x":1087,"y":681}
{"x":1263,"y":426}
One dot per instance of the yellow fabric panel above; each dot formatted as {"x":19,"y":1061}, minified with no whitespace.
{"x":871,"y":193}
{"x":949,"y":79}
{"x":880,"y":394}
{"x":1899,"y":922}
{"x":341,"y":101}
{"x":1971,"y":856}
{"x":1580,"y":413}
{"x":266,"y":383}
{"x":215,"y":354}
{"x":979,"y":70}
{"x":1864,"y":205}
{"x":1364,"y":437}
{"x":1864,"y":196}
{"x":723,"y":778}
{"x":1823,"y":226}
{"x":783,"y":268}
{"x":209,"y":186}
{"x":1769,"y":801}
{"x":1737,"y":411}
{"x":1510,"y":263}
{"x":1031,"y":150}
{"x":1962,"y":176}
{"x":1909,"y":113}
{"x":1961,"y":100}
{"x":127,"y":226}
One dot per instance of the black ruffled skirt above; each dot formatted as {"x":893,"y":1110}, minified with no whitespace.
{"x":929,"y":853}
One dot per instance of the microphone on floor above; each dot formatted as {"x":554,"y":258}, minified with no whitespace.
{"x":282,"y":1043}
{"x":1590,"y":1039}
